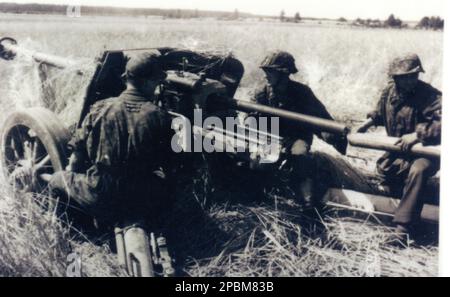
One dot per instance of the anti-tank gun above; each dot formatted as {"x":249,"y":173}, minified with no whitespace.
{"x":35,"y":139}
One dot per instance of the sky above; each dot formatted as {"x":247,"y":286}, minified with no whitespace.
{"x":351,"y":9}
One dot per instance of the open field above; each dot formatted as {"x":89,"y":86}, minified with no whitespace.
{"x":345,"y":67}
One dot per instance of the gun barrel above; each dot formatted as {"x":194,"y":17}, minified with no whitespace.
{"x":385,"y":143}
{"x":306,"y":120}
{"x":9,"y":49}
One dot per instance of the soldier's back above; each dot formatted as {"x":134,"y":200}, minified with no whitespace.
{"x":125,"y":132}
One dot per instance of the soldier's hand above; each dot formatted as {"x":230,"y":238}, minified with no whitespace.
{"x":339,"y":142}
{"x":76,"y":162}
{"x":364,"y":126}
{"x":341,"y":146}
{"x":407,"y":141}
{"x":361,"y":129}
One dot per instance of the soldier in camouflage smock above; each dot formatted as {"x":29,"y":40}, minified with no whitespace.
{"x":119,"y":153}
{"x":410,"y":109}
{"x":284,"y":93}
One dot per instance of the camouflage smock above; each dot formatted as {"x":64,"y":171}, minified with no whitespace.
{"x":299,"y":98}
{"x":125,"y":142}
{"x":419,"y":111}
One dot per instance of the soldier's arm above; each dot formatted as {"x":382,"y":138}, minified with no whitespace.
{"x":365,"y":126}
{"x":77,"y":146}
{"x":377,"y":114}
{"x":316,"y":108}
{"x":259,"y":97}
{"x":78,"y":160}
{"x":375,"y":117}
{"x":429,"y":129}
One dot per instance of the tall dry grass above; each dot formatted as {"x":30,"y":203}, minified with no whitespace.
{"x":273,"y":242}
{"x":345,"y":67}
{"x":231,"y":240}
{"x":35,"y":241}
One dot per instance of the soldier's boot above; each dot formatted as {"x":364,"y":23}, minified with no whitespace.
{"x":401,"y":236}
{"x":311,"y":208}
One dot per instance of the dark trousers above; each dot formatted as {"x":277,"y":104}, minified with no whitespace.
{"x":300,"y":172}
{"x":411,"y":205}
{"x":413,"y":173}
{"x":293,"y":176}
{"x":79,"y":193}
{"x":99,"y":197}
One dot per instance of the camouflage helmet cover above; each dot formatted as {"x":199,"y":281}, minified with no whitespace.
{"x":407,"y":64}
{"x":145,"y":65}
{"x":280,"y":61}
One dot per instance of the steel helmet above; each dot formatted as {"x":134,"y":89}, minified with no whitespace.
{"x":407,"y":64}
{"x":280,"y":61}
{"x":145,"y":65}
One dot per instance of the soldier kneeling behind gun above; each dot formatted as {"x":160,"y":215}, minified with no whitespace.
{"x":119,"y":155}
{"x":296,"y":160}
{"x":410,"y":109}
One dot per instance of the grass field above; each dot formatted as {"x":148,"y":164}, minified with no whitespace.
{"x":345,"y":67}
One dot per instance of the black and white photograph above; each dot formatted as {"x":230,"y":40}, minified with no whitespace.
{"x":222,"y":139}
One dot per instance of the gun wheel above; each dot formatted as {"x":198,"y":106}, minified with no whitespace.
{"x":33,"y":146}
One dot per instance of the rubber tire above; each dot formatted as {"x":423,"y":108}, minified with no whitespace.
{"x":48,"y":128}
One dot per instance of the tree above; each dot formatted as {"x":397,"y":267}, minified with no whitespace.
{"x":441,"y":25}
{"x":342,"y":20}
{"x":358,"y":22}
{"x":424,"y":23}
{"x":297,"y":17}
{"x":392,"y":21}
{"x":377,"y":23}
{"x":435,"y":23}
{"x":282,"y":16}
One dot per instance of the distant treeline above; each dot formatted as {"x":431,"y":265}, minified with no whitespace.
{"x":435,"y":23}
{"x":390,"y":22}
{"x":118,"y":11}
